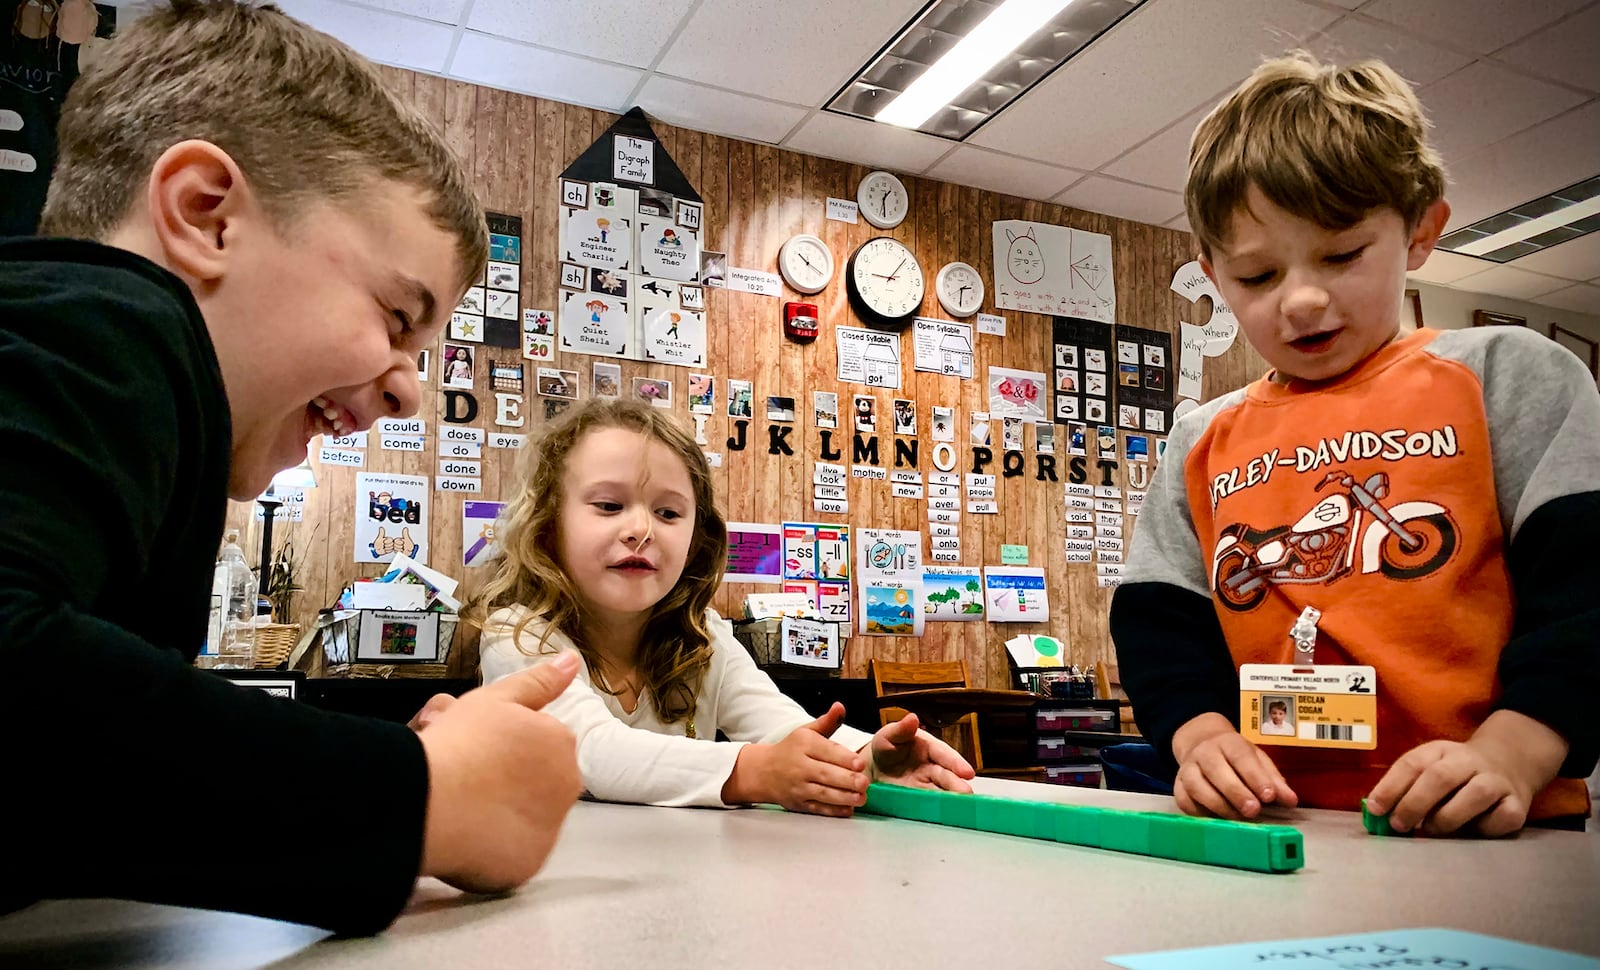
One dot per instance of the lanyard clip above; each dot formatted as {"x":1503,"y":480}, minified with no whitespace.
{"x":1304,"y":635}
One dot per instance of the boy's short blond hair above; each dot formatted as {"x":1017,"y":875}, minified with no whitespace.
{"x":303,"y":116}
{"x":1326,"y":143}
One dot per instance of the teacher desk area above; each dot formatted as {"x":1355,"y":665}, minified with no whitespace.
{"x":634,"y":886}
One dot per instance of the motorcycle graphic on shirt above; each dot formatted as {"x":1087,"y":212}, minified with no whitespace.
{"x":1350,"y":528}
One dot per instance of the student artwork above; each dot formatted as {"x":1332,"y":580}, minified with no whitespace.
{"x":944,"y":424}
{"x":824,"y":409}
{"x":942,"y":347}
{"x":477,"y":532}
{"x":1144,"y":359}
{"x":702,"y":394}
{"x":1015,"y":594}
{"x":870,"y":357}
{"x":501,"y":309}
{"x":816,"y":561}
{"x":631,"y":219}
{"x":1018,"y":393}
{"x":905,"y":416}
{"x":606,"y":380}
{"x":755,"y":553}
{"x":1044,"y":438}
{"x":1011,"y":433}
{"x":889,"y":570}
{"x":810,"y":643}
{"x":391,"y":516}
{"x":657,"y":392}
{"x":558,"y":383}
{"x":780,"y":409}
{"x":1082,"y":369}
{"x":457,"y":370}
{"x":1040,"y":268}
{"x":951,"y":593}
{"x":866,"y":413}
{"x":741,"y":399}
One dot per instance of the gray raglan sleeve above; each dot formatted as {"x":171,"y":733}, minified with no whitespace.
{"x":1544,"y":434}
{"x":1171,"y":654}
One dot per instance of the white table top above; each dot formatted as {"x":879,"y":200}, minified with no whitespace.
{"x":636,"y":887}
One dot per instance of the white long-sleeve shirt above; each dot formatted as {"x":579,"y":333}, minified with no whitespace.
{"x":635,"y":757}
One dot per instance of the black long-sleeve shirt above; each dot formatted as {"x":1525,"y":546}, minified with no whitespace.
{"x":129,"y":773}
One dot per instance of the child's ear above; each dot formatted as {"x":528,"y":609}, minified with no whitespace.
{"x":1425,"y":235}
{"x":195,"y":194}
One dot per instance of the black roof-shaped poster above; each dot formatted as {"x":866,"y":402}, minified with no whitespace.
{"x":630,"y":154}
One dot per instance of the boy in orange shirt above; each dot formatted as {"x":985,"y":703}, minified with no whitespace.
{"x":1431,"y":494}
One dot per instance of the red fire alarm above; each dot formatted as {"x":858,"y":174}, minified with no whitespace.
{"x":800,"y":321}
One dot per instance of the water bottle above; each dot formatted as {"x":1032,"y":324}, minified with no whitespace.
{"x":235,"y":586}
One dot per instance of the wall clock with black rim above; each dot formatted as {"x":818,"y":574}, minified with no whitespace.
{"x":885,"y":283}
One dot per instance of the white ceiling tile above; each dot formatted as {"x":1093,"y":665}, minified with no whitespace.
{"x":515,"y":67}
{"x":1510,"y":282}
{"x":1578,"y":259}
{"x":442,"y":11}
{"x":1479,"y":26}
{"x":720,"y":112}
{"x":1181,"y":222}
{"x":1002,"y":173}
{"x":1354,"y":39}
{"x":866,"y":142}
{"x":780,"y":49}
{"x":1550,"y":156}
{"x":1123,"y":200}
{"x":1443,"y":267}
{"x":1162,"y":161}
{"x":1160,"y":63}
{"x":610,"y":30}
{"x":1582,"y":298}
{"x":1483,"y":103}
{"x":386,"y":38}
{"x":1563,"y":51}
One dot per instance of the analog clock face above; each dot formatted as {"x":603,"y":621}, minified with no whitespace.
{"x":886,"y":281}
{"x":960,"y":289}
{"x":882,"y":200}
{"x":806,"y":263}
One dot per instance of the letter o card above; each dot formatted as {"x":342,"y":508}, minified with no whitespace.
{"x":1324,"y":706}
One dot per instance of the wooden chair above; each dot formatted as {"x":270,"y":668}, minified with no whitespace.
{"x":889,"y":678}
{"x":1108,"y":684}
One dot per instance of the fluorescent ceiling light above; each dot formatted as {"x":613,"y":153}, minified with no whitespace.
{"x":1531,"y":228}
{"x":1002,"y":32}
{"x":1549,"y":220}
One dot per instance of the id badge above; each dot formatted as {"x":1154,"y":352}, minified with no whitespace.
{"x":1320,"y":706}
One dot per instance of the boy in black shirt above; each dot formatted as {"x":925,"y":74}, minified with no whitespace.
{"x":258,"y":238}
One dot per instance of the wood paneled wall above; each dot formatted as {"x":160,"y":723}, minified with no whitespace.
{"x":756,"y":196}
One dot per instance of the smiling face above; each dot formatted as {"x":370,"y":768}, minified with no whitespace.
{"x":318,"y":329}
{"x":625,"y":524}
{"x":1316,"y":302}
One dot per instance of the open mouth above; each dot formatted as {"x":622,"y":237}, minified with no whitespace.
{"x":1315,"y":342}
{"x":633,"y":564}
{"x":327,"y":418}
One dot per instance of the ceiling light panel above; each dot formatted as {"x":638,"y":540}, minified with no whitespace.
{"x":939,"y":28}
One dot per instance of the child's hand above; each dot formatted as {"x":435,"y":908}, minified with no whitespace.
{"x":805,"y":772}
{"x":903,"y":755}
{"x":1484,"y":785}
{"x":1222,"y":774}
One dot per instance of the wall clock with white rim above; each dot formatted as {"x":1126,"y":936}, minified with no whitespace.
{"x":806,"y":263}
{"x":960,"y":289}
{"x":882,"y":199}
{"x":884,"y":282}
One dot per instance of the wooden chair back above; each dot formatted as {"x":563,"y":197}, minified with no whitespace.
{"x":890,"y":677}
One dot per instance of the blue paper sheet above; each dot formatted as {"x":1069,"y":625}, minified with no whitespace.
{"x":1431,"y":948}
